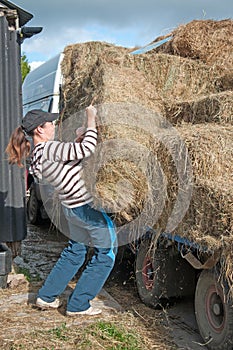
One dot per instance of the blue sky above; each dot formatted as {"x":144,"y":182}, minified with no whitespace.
{"x":127,"y":23}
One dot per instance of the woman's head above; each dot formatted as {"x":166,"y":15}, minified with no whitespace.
{"x":36,"y":124}
{"x":18,"y":147}
{"x":35,"y":118}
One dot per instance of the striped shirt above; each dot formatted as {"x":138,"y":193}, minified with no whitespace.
{"x":60,"y":164}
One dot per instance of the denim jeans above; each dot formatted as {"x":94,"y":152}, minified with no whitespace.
{"x":88,"y":228}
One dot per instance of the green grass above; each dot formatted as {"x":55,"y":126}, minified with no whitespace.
{"x":59,"y":332}
{"x":28,"y":275}
{"x":98,"y":335}
{"x":109,"y":332}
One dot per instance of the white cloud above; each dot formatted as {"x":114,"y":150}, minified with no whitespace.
{"x":49,"y":45}
{"x":35,"y":64}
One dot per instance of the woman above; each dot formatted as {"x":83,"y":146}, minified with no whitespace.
{"x":60,"y":164}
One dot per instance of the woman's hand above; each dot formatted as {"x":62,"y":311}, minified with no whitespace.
{"x":91,"y":112}
{"x":80,"y":132}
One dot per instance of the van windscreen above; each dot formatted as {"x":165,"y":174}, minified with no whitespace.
{"x":39,"y":83}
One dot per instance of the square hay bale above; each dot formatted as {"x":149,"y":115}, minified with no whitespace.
{"x":212,"y":108}
{"x":98,"y":70}
{"x":207,"y":40}
{"x":209,"y":220}
{"x":210,"y":151}
{"x":177,"y":78}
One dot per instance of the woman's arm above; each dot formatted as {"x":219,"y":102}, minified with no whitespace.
{"x":63,"y":151}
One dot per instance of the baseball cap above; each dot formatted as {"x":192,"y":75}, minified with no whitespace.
{"x":37,"y":117}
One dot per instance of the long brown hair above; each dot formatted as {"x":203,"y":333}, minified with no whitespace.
{"x":18,"y":147}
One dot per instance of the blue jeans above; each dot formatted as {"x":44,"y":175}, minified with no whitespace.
{"x":88,"y":228}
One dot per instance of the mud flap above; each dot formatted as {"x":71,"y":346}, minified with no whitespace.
{"x":209,"y":264}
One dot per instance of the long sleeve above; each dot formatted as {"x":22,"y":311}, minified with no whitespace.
{"x":67,"y":151}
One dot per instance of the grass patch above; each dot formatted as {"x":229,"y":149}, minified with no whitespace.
{"x":98,"y":335}
{"x":59,"y":332}
{"x":111,"y":337}
{"x":28,"y":275}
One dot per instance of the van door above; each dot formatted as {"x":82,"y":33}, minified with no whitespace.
{"x":42,"y":87}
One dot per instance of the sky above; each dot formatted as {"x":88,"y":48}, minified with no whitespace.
{"x":128,"y":23}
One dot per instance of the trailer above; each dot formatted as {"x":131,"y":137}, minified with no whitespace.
{"x":12,"y":190}
{"x":170,"y":267}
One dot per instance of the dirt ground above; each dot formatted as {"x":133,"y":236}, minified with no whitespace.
{"x":20,"y":318}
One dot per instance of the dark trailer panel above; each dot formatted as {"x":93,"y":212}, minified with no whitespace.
{"x":12,"y":182}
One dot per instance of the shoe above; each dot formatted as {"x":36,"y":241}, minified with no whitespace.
{"x":45,"y":305}
{"x":89,"y":312}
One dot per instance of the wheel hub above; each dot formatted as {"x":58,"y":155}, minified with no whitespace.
{"x":215,"y":309}
{"x":148,"y":273}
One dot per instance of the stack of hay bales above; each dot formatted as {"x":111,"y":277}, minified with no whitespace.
{"x":205,"y":42}
{"x":208,"y":117}
{"x":204,"y":119}
{"x":178,"y":94}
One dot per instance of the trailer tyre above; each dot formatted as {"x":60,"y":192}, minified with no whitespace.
{"x":147,"y":266}
{"x":33,"y":207}
{"x":214,"y":312}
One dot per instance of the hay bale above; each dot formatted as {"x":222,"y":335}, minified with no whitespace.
{"x":176,"y":78}
{"x":208,"y":41}
{"x":95,"y":69}
{"x":210,"y":150}
{"x":128,"y":178}
{"x":211,"y":213}
{"x":80,"y":63}
{"x":209,"y":221}
{"x":213,"y":108}
{"x":209,"y":218}
{"x":118,"y":90}
{"x":110,"y":74}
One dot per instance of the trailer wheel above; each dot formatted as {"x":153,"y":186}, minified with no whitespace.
{"x":33,"y":207}
{"x":147,"y":267}
{"x":214,"y":312}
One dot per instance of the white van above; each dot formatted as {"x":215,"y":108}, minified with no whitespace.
{"x":42,"y":89}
